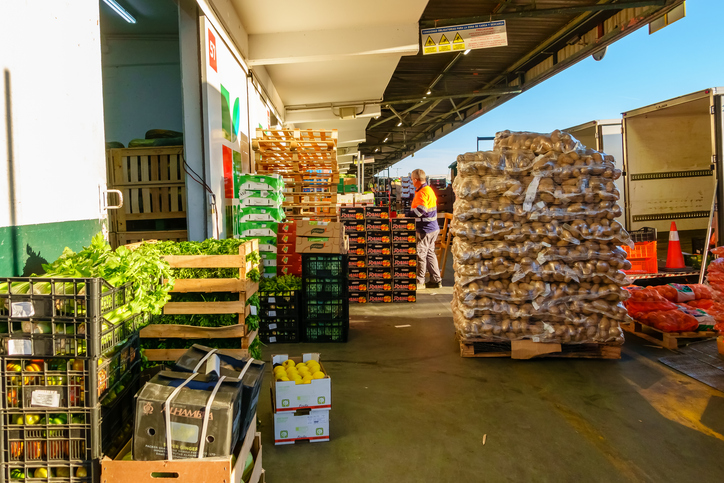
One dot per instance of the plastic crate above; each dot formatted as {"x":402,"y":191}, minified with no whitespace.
{"x":279,"y":336}
{"x":324,"y":288}
{"x":642,"y":257}
{"x":325,"y":310}
{"x":328,"y":265}
{"x":77,"y":472}
{"x":117,"y":414}
{"x":66,"y":383}
{"x":45,"y":317}
{"x":645,"y":234}
{"x":330,"y":331}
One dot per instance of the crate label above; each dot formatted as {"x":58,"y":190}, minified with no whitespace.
{"x":272,"y":339}
{"x":48,"y":399}
{"x":272,"y":300}
{"x":272,"y":326}
{"x":272,"y":313}
{"x":252,"y":309}
{"x":20,"y":347}
{"x":22,"y":309}
{"x":315,"y":418}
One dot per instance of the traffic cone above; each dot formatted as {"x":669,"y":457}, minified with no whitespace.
{"x":674,"y":258}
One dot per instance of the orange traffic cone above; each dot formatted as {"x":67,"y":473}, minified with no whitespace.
{"x":674,"y":258}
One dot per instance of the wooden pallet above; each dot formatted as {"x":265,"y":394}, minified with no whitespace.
{"x":668,"y":340}
{"x":153,"y":183}
{"x":138,"y":237}
{"x":241,"y":285}
{"x":527,"y":349}
{"x":297,"y":134}
{"x":295,"y":156}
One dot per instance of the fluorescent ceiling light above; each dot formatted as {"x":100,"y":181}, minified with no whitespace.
{"x":120,"y":11}
{"x":467,"y":52}
{"x":399,"y":124}
{"x":386,"y":138}
{"x":429,"y":92}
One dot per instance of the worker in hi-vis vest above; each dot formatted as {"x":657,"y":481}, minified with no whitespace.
{"x":424,"y":209}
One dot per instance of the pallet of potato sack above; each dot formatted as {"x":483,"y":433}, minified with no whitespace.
{"x":668,"y":340}
{"x":242,"y":286}
{"x":528,"y":349}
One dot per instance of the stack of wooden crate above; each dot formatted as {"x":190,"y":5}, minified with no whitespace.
{"x":241,"y":285}
{"x":307,"y":159}
{"x":153,"y":184}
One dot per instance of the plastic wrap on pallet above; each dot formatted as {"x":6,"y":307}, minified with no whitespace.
{"x":537,"y":249}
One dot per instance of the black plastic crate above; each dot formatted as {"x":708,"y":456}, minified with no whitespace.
{"x":645,"y":234}
{"x":60,"y":298}
{"x":65,"y":383}
{"x":117,"y":414}
{"x":324,"y":288}
{"x":64,"y":338}
{"x":45,"y":435}
{"x":76,"y":472}
{"x":324,"y":265}
{"x":325,"y":310}
{"x":329,"y":331}
{"x":279,"y":331}
{"x":278,"y":299}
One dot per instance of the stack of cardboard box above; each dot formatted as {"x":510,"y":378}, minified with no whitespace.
{"x":404,"y":260}
{"x":379,"y":254}
{"x":289,"y":262}
{"x":321,"y":237}
{"x":301,"y":411}
{"x":353,"y":219}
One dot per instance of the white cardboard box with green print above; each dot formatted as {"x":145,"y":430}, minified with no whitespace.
{"x":295,"y":389}
{"x":305,"y":425}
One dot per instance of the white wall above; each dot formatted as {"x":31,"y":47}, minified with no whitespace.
{"x":141,"y":86}
{"x":51,"y":56}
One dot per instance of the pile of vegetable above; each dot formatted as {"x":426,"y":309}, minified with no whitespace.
{"x":283,"y":283}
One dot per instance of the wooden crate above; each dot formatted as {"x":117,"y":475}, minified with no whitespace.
{"x":527,"y":349}
{"x":133,"y":237}
{"x":669,"y":340}
{"x":153,"y":183}
{"x":241,"y":285}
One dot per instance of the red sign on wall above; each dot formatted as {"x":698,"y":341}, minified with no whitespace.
{"x":212,"y":51}
{"x":228,"y":172}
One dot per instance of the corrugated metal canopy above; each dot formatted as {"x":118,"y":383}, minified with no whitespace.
{"x":544,"y":37}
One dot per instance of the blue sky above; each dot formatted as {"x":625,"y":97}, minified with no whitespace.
{"x":638,"y":70}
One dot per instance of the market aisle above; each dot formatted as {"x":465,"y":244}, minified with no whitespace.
{"x":407,"y":408}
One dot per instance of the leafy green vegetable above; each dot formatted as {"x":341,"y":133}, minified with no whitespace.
{"x":144,"y":267}
{"x":255,"y":349}
{"x":284,"y":283}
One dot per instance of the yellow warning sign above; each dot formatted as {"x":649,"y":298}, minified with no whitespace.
{"x":458,"y":42}
{"x":444,"y":44}
{"x":430,"y":46}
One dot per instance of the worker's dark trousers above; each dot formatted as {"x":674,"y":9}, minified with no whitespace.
{"x":426,"y":258}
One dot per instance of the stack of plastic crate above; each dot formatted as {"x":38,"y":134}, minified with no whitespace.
{"x":325,"y":301}
{"x":279,"y":316}
{"x":69,"y":372}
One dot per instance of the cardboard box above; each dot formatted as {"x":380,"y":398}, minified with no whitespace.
{"x":254,"y":229}
{"x":377,"y":225}
{"x":356,"y":238}
{"x":327,"y":229}
{"x":404,"y":237}
{"x":377,"y":212}
{"x":357,"y":274}
{"x":188,"y":470}
{"x":287,"y":239}
{"x":287,"y":249}
{"x":357,"y":250}
{"x":289,"y":228}
{"x":322,"y":245}
{"x":379,"y":297}
{"x":351,"y":226}
{"x":379,"y":237}
{"x":405,"y":261}
{"x":290,"y":259}
{"x":357,"y":261}
{"x":357,"y":285}
{"x":289,"y":270}
{"x":352,"y":213}
{"x":188,"y":408}
{"x":404,"y":297}
{"x":348,"y":181}
{"x":379,"y":273}
{"x":290,"y":427}
{"x":288,"y":396}
{"x":358,"y":297}
{"x":402,"y":224}
{"x":379,"y":285}
{"x":404,"y":273}
{"x":379,"y":261}
{"x":269,"y":263}
{"x":404,"y":284}
{"x":379,"y":249}
{"x":404,"y":249}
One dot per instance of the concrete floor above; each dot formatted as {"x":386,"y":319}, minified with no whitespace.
{"x":407,"y":408}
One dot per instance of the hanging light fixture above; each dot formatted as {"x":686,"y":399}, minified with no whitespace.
{"x":120,"y":11}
